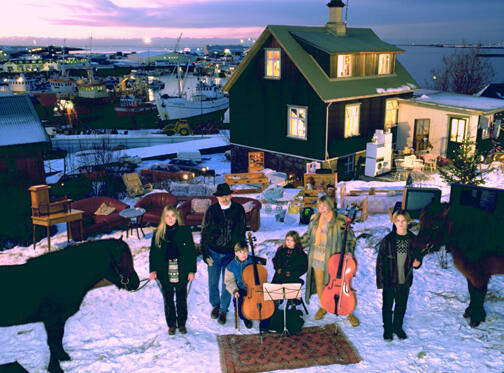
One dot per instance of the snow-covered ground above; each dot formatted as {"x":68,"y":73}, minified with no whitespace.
{"x":117,"y":331}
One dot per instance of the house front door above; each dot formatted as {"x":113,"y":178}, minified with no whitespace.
{"x":458,"y":130}
{"x":421,"y":139}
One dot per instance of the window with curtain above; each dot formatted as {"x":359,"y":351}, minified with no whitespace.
{"x":352,"y":114}
{"x":384,"y":63}
{"x":457,"y":129}
{"x":297,"y":122}
{"x":391,"y":110}
{"x":344,"y":65}
{"x":272,"y":65}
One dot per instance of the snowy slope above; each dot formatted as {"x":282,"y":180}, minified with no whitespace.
{"x":117,"y":331}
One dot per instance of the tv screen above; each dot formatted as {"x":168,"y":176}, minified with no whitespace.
{"x":488,"y":199}
{"x":416,"y":199}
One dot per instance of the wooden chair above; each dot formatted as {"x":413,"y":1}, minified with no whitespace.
{"x":430,"y":162}
{"x":134,"y":185}
{"x":43,"y":205}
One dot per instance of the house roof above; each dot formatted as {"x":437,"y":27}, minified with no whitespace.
{"x":355,"y":40}
{"x":19,"y":122}
{"x":332,"y":89}
{"x":484,"y":105}
{"x":495,"y":90}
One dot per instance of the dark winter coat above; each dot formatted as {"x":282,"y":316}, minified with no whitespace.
{"x":386,"y":262}
{"x":220,"y":233}
{"x":295,"y":264}
{"x":158,"y":261}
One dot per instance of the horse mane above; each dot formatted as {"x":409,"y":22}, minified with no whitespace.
{"x":71,"y":251}
{"x":475,"y":232}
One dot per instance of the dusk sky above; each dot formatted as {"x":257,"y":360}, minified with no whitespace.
{"x":392,"y":20}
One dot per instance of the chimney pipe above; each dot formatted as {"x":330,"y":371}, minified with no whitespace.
{"x":335,"y":17}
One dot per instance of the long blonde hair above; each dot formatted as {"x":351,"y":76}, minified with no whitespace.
{"x":327,"y":200}
{"x":161,"y":228}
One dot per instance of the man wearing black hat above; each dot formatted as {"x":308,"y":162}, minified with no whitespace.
{"x":223,"y":226}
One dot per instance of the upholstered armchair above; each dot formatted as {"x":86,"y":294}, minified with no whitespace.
{"x":154,"y":204}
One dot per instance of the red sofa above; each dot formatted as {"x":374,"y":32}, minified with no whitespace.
{"x":97,"y":223}
{"x":253,"y":217}
{"x":154,"y":204}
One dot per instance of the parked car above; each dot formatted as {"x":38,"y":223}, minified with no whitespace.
{"x":189,"y":165}
{"x":160,"y":172}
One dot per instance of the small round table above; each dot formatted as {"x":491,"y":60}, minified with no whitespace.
{"x":135,"y":216}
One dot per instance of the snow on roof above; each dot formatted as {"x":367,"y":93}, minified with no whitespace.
{"x":19,"y":122}
{"x":457,"y":100}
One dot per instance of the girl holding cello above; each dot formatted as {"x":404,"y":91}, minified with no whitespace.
{"x":325,"y":238}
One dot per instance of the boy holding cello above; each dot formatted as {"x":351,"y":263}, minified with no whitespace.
{"x":233,"y":278}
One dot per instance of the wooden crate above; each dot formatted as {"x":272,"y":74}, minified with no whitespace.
{"x":320,"y":186}
{"x":246,"y":178}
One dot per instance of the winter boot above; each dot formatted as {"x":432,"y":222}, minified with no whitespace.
{"x":397,"y":326}
{"x":320,"y":313}
{"x":387,"y":326}
{"x":354,"y":321}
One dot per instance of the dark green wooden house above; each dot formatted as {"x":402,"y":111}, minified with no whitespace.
{"x":306,"y":94}
{"x":23,"y":140}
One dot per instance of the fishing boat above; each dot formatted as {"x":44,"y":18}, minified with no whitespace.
{"x":207,"y":99}
{"x":130,"y":106}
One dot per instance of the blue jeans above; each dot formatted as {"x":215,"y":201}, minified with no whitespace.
{"x":220,"y":262}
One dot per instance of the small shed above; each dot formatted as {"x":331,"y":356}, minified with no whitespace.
{"x":23,"y":140}
{"x":440,"y":121}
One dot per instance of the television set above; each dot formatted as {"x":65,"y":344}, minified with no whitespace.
{"x":490,"y":200}
{"x":415,"y":199}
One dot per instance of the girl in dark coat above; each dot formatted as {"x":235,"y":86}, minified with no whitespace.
{"x":172,"y":261}
{"x":394,"y":273}
{"x":290,"y":261}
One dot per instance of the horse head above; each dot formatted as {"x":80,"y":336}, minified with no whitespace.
{"x":434,"y":226}
{"x":122,"y":272}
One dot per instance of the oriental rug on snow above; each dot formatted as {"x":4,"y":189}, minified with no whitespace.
{"x":313,"y":346}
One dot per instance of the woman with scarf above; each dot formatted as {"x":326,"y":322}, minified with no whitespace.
{"x":172,"y":262}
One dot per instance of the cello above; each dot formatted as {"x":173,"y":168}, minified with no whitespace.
{"x":254,"y":306}
{"x":338,"y":296}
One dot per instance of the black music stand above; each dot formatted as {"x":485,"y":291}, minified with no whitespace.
{"x":282,"y":292}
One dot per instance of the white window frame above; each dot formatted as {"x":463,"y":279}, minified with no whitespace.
{"x":295,"y":121}
{"x":352,"y":128}
{"x":485,"y":127}
{"x":391,"y":112}
{"x":384,"y":63}
{"x":344,"y":65}
{"x":272,"y":60}
{"x":457,"y":134}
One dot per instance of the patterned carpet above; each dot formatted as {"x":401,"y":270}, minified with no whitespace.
{"x":314,"y":346}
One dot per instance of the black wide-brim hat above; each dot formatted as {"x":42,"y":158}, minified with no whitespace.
{"x":222,"y":190}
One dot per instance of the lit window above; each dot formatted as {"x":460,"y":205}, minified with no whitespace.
{"x":297,"y":122}
{"x":272,"y":65}
{"x":384,"y":64}
{"x":352,"y":113}
{"x":458,"y":130}
{"x":344,"y":65}
{"x":391,"y":113}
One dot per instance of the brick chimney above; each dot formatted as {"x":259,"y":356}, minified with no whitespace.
{"x":335,"y":17}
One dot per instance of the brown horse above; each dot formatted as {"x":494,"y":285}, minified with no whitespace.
{"x":50,"y":288}
{"x":471,"y":235}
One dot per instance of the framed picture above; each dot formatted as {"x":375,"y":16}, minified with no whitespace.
{"x":255,"y":161}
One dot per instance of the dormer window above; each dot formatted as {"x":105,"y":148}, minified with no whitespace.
{"x":344,"y":65}
{"x":272,"y":63}
{"x":384,"y":63}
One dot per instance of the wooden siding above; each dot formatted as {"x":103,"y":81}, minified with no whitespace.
{"x":323,"y":58}
{"x":372,"y":117}
{"x":258,"y":108}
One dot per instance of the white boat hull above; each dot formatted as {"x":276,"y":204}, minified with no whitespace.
{"x":180,"y":108}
